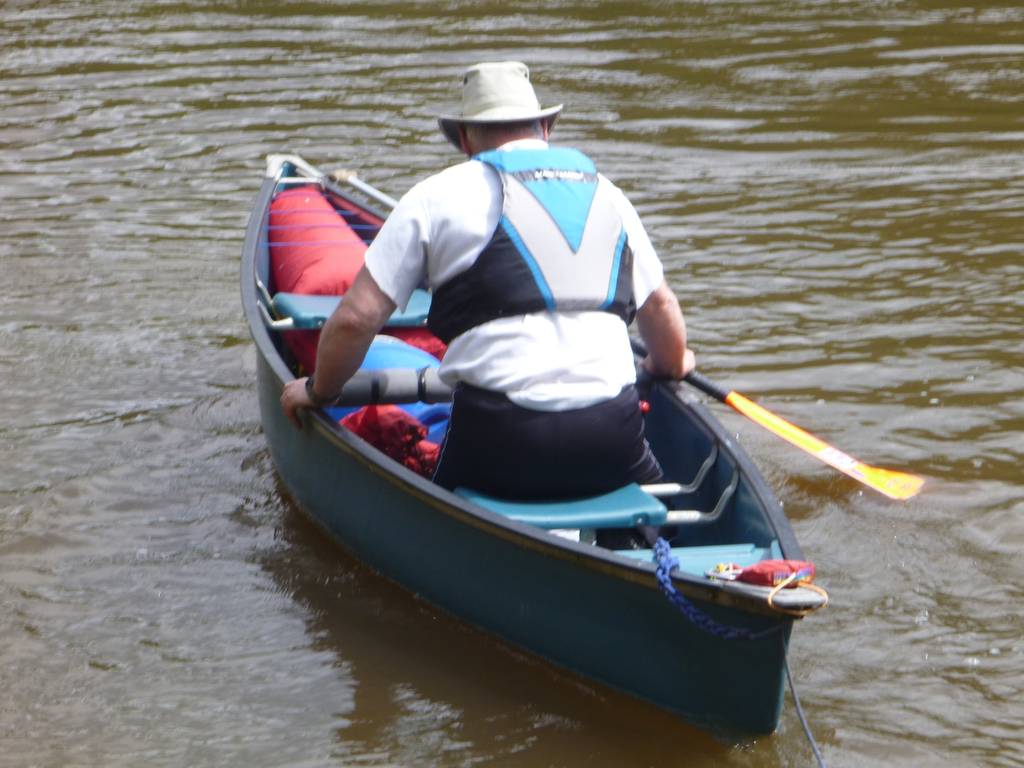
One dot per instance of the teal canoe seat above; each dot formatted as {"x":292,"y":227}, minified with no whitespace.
{"x":311,"y":312}
{"x":700,"y":560}
{"x":623,"y":508}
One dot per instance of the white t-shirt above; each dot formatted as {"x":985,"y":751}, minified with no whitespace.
{"x":548,"y":361}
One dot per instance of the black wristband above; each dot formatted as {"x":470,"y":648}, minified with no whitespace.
{"x":318,"y":402}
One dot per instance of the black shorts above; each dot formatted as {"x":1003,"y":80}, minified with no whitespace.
{"x":499,"y":448}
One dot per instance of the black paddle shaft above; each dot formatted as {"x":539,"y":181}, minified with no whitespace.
{"x":704,"y":384}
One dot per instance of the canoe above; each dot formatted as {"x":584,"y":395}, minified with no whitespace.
{"x":658,"y":624}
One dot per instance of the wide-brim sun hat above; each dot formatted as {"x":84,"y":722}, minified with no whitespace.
{"x":497,"y":92}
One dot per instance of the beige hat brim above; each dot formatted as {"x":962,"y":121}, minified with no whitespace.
{"x":450,"y":124}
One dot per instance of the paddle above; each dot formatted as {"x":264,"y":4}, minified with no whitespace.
{"x":895,"y":485}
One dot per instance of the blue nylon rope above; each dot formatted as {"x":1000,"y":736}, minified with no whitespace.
{"x":311,"y":244}
{"x":332,"y":223}
{"x":665,"y":563}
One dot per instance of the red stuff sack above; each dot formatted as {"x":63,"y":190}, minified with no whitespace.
{"x":423,"y":458}
{"x":775,"y":573}
{"x":421,"y":338}
{"x":313,"y":250}
{"x":396,"y":433}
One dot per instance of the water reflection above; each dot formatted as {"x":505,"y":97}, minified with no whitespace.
{"x":426,"y":689}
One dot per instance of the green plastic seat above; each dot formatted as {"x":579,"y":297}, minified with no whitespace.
{"x":623,"y":508}
{"x":310,"y":312}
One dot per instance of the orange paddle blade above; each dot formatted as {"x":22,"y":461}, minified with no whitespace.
{"x":895,"y":485}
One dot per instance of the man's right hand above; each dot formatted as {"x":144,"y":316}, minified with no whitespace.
{"x":689,"y":364}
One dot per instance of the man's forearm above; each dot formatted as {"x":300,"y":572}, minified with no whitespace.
{"x":663,"y":329}
{"x":348,"y":333}
{"x":340,"y":352}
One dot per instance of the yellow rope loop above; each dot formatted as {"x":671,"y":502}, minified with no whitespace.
{"x":795,"y":611}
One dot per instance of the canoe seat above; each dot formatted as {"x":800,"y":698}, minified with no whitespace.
{"x":700,"y":560}
{"x":623,"y":508}
{"x":311,"y":312}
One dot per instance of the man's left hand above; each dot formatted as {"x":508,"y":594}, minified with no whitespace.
{"x":294,"y":399}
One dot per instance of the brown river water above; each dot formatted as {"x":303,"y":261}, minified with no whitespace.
{"x":837,"y":191}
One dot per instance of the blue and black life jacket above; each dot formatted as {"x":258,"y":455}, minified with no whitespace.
{"x":559,"y":245}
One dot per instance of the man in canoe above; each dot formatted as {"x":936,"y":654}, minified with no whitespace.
{"x":536,"y":264}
